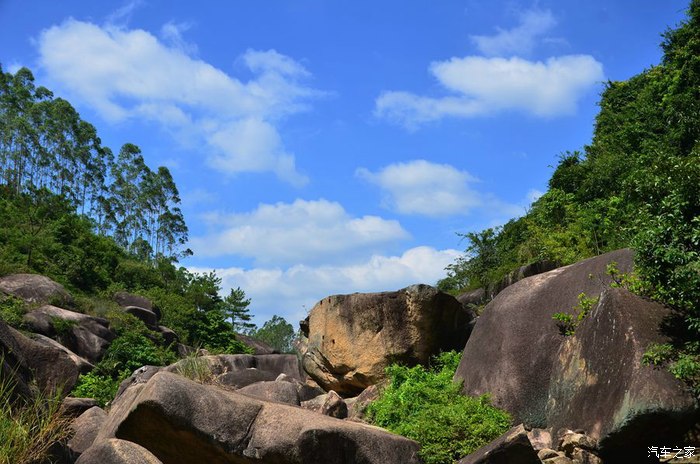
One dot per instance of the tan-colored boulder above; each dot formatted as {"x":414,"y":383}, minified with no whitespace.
{"x":183,"y":422}
{"x":353,"y":338}
{"x":35,"y":289}
{"x":279,"y":392}
{"x":117,"y":452}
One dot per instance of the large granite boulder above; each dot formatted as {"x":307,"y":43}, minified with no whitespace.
{"x":593,"y":381}
{"x":513,"y":447}
{"x":272,"y":365}
{"x":513,"y":348}
{"x":353,"y":338}
{"x":86,"y":336}
{"x":277,"y":391}
{"x":24,"y":360}
{"x":599,"y":383}
{"x":180,"y":421}
{"x":85,"y":429}
{"x":115,"y":451}
{"x":35,"y":289}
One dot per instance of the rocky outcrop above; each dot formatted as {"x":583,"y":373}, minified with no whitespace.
{"x":25,"y":360}
{"x":147,"y":316}
{"x":85,"y":429}
{"x":272,"y":364}
{"x":277,"y":391}
{"x":513,"y":447}
{"x":513,"y":347}
{"x":86,"y":336}
{"x":599,"y":383}
{"x":353,"y":338}
{"x":35,"y":289}
{"x":593,"y":381}
{"x":81,"y":364}
{"x":257,"y":346}
{"x":180,"y":421}
{"x":117,"y":452}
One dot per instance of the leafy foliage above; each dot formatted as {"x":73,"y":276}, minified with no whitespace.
{"x":568,"y":322}
{"x":636,"y":185}
{"x":277,"y":332}
{"x":426,"y":405}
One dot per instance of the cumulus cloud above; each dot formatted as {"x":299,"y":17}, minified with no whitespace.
{"x":425,"y":188}
{"x":290,"y":292}
{"x":129,"y":73}
{"x":483,"y":86}
{"x":307,"y":232}
{"x":521,"y":39}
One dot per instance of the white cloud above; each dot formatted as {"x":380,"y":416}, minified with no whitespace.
{"x":124,"y":74}
{"x":292,"y":291}
{"x":307,"y":232}
{"x":173,"y":34}
{"x":521,"y":39}
{"x":422,"y":187}
{"x":483,"y":86}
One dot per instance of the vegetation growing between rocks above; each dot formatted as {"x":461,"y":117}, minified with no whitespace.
{"x":425,"y":405}
{"x":29,"y":428}
{"x":636,"y":185}
{"x":568,"y":322}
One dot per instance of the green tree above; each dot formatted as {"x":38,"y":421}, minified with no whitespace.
{"x":235,"y":308}
{"x":278,"y":333}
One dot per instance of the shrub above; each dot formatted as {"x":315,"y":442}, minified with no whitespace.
{"x":12,"y":310}
{"x":425,"y":405}
{"x":195,"y":368}
{"x":29,"y":427}
{"x":102,"y":388}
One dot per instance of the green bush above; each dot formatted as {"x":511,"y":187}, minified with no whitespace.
{"x":425,"y":405}
{"x":12,"y":310}
{"x":102,"y":388}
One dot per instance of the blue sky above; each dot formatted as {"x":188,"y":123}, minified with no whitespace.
{"x":326,"y":147}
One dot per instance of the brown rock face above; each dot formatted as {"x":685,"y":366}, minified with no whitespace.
{"x":513,"y":347}
{"x":353,"y":338}
{"x":600,"y":385}
{"x":182,"y":422}
{"x":34,"y":288}
{"x":513,"y":447}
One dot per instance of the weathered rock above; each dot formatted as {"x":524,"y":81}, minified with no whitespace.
{"x":85,"y":429}
{"x":182,"y":422}
{"x":35,"y":289}
{"x":309,"y":390}
{"x":125,"y":299}
{"x":599,"y":383}
{"x":25,"y":360}
{"x":573,"y":440}
{"x":139,"y":376}
{"x":519,"y":274}
{"x":279,"y":392}
{"x":81,"y":364}
{"x":513,"y":347}
{"x":117,"y":452}
{"x":275,"y":364}
{"x":353,"y":338}
{"x":558,"y":460}
{"x":473,"y":297}
{"x":146,"y":315}
{"x":546,"y":453}
{"x":356,"y":411}
{"x":87,"y":336}
{"x":169,"y":336}
{"x":73,"y":407}
{"x":334,"y":406}
{"x":513,"y":447}
{"x":243,"y":378}
{"x":582,"y":456}
{"x":540,"y":439}
{"x":257,"y":346}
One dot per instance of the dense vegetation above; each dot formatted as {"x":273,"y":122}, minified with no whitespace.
{"x":636,"y":185}
{"x":425,"y":405}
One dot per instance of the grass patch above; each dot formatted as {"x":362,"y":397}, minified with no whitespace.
{"x":425,"y":405}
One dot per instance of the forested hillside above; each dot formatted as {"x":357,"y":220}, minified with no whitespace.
{"x":636,"y":185}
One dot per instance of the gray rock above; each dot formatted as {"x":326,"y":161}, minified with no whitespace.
{"x":146,"y":315}
{"x":356,"y":411}
{"x":513,"y":447}
{"x":334,"y":406}
{"x":279,"y":392}
{"x":516,"y":337}
{"x":183,"y":422}
{"x":244,"y":377}
{"x":85,"y":429}
{"x":117,"y":452}
{"x":35,"y":289}
{"x":73,"y":407}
